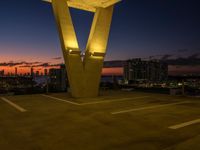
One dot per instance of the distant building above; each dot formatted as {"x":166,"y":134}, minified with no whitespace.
{"x":2,"y":73}
{"x":37,"y":73}
{"x":45,"y":72}
{"x":112,"y":71}
{"x":58,"y":79}
{"x":152,"y":70}
{"x":32,"y":73}
{"x":15,"y":71}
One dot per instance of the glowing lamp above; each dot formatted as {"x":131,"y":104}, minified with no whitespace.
{"x":97,"y":54}
{"x":74,"y":52}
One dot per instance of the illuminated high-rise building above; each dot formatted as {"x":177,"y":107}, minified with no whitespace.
{"x":2,"y":73}
{"x":58,"y":79}
{"x":15,"y":71}
{"x":32,"y":73}
{"x":37,"y":73}
{"x":45,"y":72}
{"x":152,"y":70}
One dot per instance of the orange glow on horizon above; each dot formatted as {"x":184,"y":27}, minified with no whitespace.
{"x":113,"y":71}
{"x":181,"y":70}
{"x":23,"y":70}
{"x":173,"y":70}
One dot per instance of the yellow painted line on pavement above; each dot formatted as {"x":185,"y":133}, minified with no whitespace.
{"x":59,"y":99}
{"x":19,"y":108}
{"x":114,"y":100}
{"x":181,"y":125}
{"x":95,"y":102}
{"x":148,"y":107}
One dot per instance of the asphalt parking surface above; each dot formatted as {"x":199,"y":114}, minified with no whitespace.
{"x":114,"y":120}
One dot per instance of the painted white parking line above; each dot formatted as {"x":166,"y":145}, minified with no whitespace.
{"x":19,"y":108}
{"x":95,"y":102}
{"x":178,"y":126}
{"x":114,"y":100}
{"x":148,"y":107}
{"x":59,"y":99}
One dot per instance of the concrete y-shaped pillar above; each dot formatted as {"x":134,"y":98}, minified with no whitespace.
{"x":70,"y":48}
{"x":84,"y":76}
{"x":96,"y":48}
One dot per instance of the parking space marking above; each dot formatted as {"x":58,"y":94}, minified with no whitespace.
{"x":113,"y":100}
{"x":181,"y":125}
{"x":95,"y":102}
{"x":59,"y":99}
{"x":148,"y":107}
{"x":19,"y":108}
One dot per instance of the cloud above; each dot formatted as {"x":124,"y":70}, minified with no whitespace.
{"x":13,"y":64}
{"x":183,"y":50}
{"x":192,"y":60}
{"x":167,"y":56}
{"x":57,"y":58}
{"x":194,"y":56}
{"x":55,"y":65}
{"x":46,"y":64}
{"x":24,"y":64}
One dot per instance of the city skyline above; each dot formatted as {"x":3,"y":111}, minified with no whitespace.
{"x":100,"y":74}
{"x":23,"y":68}
{"x":171,"y":29}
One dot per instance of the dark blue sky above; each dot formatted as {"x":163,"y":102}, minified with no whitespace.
{"x":140,"y":28}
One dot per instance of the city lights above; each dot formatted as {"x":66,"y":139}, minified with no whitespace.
{"x":100,"y":75}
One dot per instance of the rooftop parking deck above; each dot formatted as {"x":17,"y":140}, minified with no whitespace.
{"x":114,"y":120}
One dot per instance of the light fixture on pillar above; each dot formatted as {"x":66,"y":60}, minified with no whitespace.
{"x":97,"y":54}
{"x":74,"y":52}
{"x":82,"y":54}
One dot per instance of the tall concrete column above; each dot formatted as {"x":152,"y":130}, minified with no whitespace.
{"x":84,"y":76}
{"x":70,"y":48}
{"x":96,"y":49}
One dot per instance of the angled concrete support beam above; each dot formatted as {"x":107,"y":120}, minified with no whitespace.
{"x":84,"y":76}
{"x":97,"y":44}
{"x":69,"y":45}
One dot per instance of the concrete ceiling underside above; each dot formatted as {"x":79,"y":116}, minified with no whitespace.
{"x":89,"y":5}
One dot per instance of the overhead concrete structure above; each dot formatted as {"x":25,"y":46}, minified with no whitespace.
{"x":89,"y":5}
{"x":84,"y":75}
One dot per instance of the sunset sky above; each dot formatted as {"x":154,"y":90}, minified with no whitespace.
{"x":140,"y":28}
